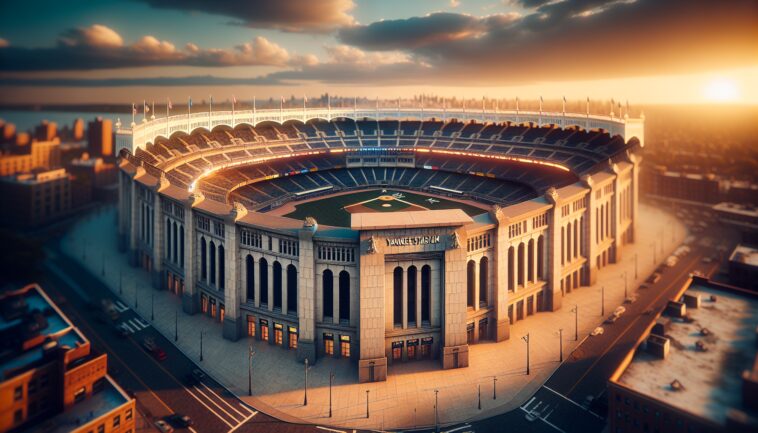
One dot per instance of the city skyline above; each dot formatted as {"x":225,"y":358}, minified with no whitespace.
{"x":691,"y":52}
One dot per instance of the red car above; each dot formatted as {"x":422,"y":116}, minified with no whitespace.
{"x":159,"y":354}
{"x":152,"y":348}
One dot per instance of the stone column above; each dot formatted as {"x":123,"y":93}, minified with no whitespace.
{"x":135,"y":218}
{"x":553,"y":246}
{"x":589,"y":233}
{"x":257,"y":280}
{"x":455,"y":309}
{"x":191,"y":297}
{"x":306,"y":305}
{"x":535,"y":259}
{"x":435,"y":295}
{"x":615,"y":215}
{"x":404,"y":291}
{"x":335,"y":297}
{"x":477,"y":286}
{"x":371,"y":326}
{"x":233,"y":320}
{"x":159,"y":282}
{"x":354,"y":307}
{"x":500,"y":276}
{"x":635,"y":190}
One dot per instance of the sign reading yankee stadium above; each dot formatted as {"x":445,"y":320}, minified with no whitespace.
{"x":413,"y":240}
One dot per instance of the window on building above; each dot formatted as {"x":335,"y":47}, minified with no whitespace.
{"x":327,"y":285}
{"x":128,"y":415}
{"x":263,"y":280}
{"x":116,"y":421}
{"x":18,"y":393}
{"x":329,"y":344}
{"x":80,"y":394}
{"x":345,"y":346}
{"x":291,"y":289}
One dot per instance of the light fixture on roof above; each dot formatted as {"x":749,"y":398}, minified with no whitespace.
{"x":676,"y":385}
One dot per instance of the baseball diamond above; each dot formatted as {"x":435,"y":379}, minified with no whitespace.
{"x":379,"y":236}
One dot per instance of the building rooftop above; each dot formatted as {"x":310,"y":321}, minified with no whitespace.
{"x":29,"y":316}
{"x":92,"y":407}
{"x":745,"y":254}
{"x":710,"y":378}
{"x":746,"y":210}
{"x":37,"y":177}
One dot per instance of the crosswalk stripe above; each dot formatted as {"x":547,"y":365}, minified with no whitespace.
{"x":222,"y":399}
{"x":126,"y":325}
{"x":210,"y":400}
{"x":120,"y":307}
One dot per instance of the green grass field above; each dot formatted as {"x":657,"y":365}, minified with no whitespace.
{"x":331,"y":210}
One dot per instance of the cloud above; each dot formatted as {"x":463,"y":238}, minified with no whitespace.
{"x":95,"y":36}
{"x":100,"y":47}
{"x":288,"y":15}
{"x":584,"y":39}
{"x":455,"y":3}
{"x":195,"y":80}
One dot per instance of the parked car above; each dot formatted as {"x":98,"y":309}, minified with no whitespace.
{"x":671,"y":261}
{"x":178,"y":420}
{"x":619,"y":311}
{"x":163,"y":426}
{"x":149,"y":344}
{"x":706,"y":260}
{"x":597,"y":331}
{"x":611,"y":319}
{"x":654,"y":278}
{"x":630,"y":299}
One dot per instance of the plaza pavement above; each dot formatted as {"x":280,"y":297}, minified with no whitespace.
{"x":407,"y":398}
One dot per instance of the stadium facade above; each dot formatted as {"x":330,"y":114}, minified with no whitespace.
{"x":550,"y":199}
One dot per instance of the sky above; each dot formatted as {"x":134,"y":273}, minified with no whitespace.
{"x":122,"y":51}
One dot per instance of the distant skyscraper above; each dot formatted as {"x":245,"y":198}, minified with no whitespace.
{"x":100,"y":137}
{"x":77,"y":131}
{"x":46,"y":131}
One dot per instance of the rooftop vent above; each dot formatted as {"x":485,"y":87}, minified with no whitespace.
{"x":676,"y":385}
{"x":701,"y":347}
{"x":705,"y":332}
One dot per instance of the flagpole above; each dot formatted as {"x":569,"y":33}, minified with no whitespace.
{"x":144,"y":115}
{"x":254,"y":112}
{"x":152,"y":116}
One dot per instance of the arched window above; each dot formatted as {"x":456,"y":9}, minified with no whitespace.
{"x":426,"y":294}
{"x":511,"y":270}
{"x":470,"y":283}
{"x":176,"y":249}
{"x":521,"y":264}
{"x":292,"y":289}
{"x":327,"y":285}
{"x":221,"y":270}
{"x":203,"y":260}
{"x":168,"y":239}
{"x":483,"y":279}
{"x":397,"y":294}
{"x":250,"y":277}
{"x":277,"y":269}
{"x":530,"y":253}
{"x":181,"y":246}
{"x":212,"y":255}
{"x":412,"y":294}
{"x":344,"y":296}
{"x":263,"y":280}
{"x":540,"y":257}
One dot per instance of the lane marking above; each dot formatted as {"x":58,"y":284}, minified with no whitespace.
{"x":120,"y":307}
{"x":545,"y":421}
{"x":571,"y":401}
{"x":126,"y":325}
{"x":331,"y":429}
{"x":215,"y":404}
{"x":246,"y":407}
{"x":244,"y":421}
{"x":222,"y":399}
{"x":458,"y":428}
{"x":209,"y":409}
{"x":529,"y":402}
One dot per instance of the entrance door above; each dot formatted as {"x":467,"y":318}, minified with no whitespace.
{"x":371,"y":373}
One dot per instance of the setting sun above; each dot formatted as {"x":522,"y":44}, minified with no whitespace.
{"x":721,"y":90}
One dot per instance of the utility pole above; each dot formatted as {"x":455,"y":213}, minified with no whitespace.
{"x":575,"y":310}
{"x":250,"y":354}
{"x":526,"y":339}
{"x":602,"y":301}
{"x":494,"y":387}
{"x":480,"y":396}
{"x":331,"y":378}
{"x":560,"y":339}
{"x":305,"y":395}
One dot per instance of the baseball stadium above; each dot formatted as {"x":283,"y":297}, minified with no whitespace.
{"x":380,"y":235}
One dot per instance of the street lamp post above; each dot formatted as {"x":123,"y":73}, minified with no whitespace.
{"x":635,"y":266}
{"x":575,"y":310}
{"x":526,"y":339}
{"x":305,"y":395}
{"x":367,"y":391}
{"x":331,"y":378}
{"x":436,"y":412}
{"x":602,"y":300}
{"x":480,"y":396}
{"x":494,"y":387}
{"x":250,"y":354}
{"x":560,"y":339}
{"x":201,"y":346}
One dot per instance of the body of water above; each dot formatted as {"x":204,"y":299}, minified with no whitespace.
{"x":26,"y":120}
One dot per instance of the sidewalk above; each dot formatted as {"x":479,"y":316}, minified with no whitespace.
{"x":406,"y":399}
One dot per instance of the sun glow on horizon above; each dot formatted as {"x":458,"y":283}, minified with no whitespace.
{"x":721,"y":90}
